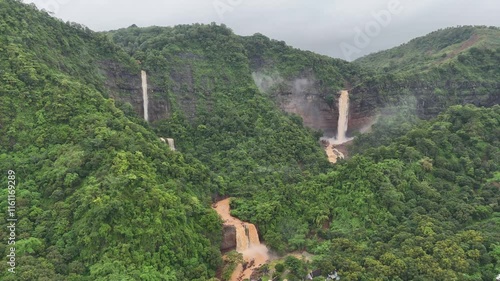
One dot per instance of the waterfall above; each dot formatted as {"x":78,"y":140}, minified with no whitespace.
{"x":170,"y":143}
{"x":246,"y":237}
{"x":247,"y":242}
{"x":253,"y":236}
{"x":145,"y":99}
{"x":242,"y":241}
{"x":330,"y":143}
{"x":343,"y":117}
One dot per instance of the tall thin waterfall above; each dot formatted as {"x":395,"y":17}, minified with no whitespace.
{"x":145,"y":99}
{"x":343,"y":117}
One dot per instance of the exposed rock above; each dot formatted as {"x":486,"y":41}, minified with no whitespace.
{"x":305,"y":97}
{"x":126,"y":86}
{"x":123,"y":85}
{"x":427,"y":101}
{"x":228,"y":238}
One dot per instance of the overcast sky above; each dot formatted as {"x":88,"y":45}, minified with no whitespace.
{"x":338,"y":28}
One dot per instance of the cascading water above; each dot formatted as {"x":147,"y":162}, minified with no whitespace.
{"x":246,"y":237}
{"x":145,"y":99}
{"x":242,"y":242}
{"x":330,"y":143}
{"x":343,"y":117}
{"x":247,"y":242}
{"x":171,"y":144}
{"x":253,"y":236}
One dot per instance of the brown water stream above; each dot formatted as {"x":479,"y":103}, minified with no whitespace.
{"x":247,"y":242}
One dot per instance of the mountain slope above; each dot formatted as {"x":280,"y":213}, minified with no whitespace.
{"x":217,"y":113}
{"x":445,"y":68}
{"x":424,"y":207}
{"x":435,"y":49}
{"x":99,"y":197}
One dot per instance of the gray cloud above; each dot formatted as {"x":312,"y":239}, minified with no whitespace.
{"x":320,"y":26}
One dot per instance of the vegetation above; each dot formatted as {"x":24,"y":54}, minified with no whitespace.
{"x":100,"y":197}
{"x":439,"y":70}
{"x":246,"y":141}
{"x":437,"y":48}
{"x":424,"y":206}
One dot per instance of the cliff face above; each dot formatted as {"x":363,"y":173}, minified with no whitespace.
{"x":228,"y":238}
{"x":298,"y":82}
{"x":303,"y":95}
{"x":125,"y":86}
{"x":318,"y":108}
{"x":429,"y":97}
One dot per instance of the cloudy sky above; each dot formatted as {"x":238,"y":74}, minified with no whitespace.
{"x":338,"y":28}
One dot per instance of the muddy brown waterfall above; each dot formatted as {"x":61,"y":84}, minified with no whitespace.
{"x":343,"y":117}
{"x":247,"y":242}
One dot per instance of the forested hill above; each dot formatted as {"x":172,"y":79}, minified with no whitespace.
{"x":100,"y":197}
{"x":203,"y":73}
{"x":424,"y":207}
{"x":437,"y":48}
{"x":451,"y":66}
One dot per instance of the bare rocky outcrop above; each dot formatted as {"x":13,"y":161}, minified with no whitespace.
{"x":125,"y":85}
{"x":228,"y":238}
{"x":426,"y":96}
{"x":305,"y":97}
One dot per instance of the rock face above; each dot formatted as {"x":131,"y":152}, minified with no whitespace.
{"x":303,"y":95}
{"x":126,"y":86}
{"x":228,"y":238}
{"x":428,"y":101}
{"x":303,"y":98}
{"x":123,"y":85}
{"x":319,"y":110}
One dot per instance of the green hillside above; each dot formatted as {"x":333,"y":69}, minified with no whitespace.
{"x":445,"y":68}
{"x":100,"y":197}
{"x":218,"y":114}
{"x":424,"y":207}
{"x":435,"y":49}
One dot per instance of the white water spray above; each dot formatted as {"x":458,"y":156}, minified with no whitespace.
{"x":171,"y":144}
{"x":145,"y":99}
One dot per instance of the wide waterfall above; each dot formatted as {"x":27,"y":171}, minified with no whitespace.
{"x":145,"y":99}
{"x":247,"y":242}
{"x":343,"y":117}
